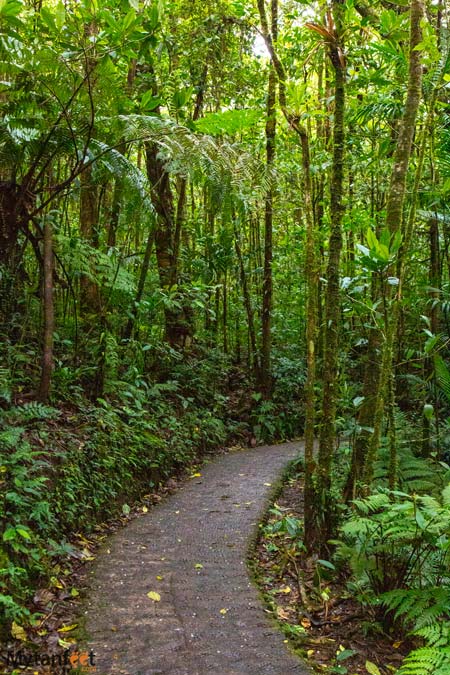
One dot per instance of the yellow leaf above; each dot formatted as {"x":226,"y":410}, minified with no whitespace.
{"x":223,"y":611}
{"x":306,"y":623}
{"x":144,"y":509}
{"x":154,"y":596}
{"x":196,"y":475}
{"x":372,"y":668}
{"x":18,"y":632}
{"x":396,"y":645}
{"x":66,"y":629}
{"x":198,"y":566}
{"x":310,"y":653}
{"x":268,"y":484}
{"x":286,"y":589}
{"x":159,"y":577}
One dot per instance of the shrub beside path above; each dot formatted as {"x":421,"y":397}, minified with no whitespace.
{"x":191,"y":551}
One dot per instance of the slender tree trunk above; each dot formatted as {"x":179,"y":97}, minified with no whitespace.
{"x":395,"y":222}
{"x":311,"y":273}
{"x":225,"y":312}
{"x":115,"y":214}
{"x":266,"y":377}
{"x":89,"y":291}
{"x":434,"y":276}
{"x":141,"y":285}
{"x":253,"y":352}
{"x":49,"y":315}
{"x":332,"y":302}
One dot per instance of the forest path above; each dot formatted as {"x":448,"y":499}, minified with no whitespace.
{"x":208,"y":522}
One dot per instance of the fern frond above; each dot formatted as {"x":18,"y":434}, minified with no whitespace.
{"x":427,"y":661}
{"x":443,"y":375}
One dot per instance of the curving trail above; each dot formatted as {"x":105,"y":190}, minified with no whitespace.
{"x":209,"y":522}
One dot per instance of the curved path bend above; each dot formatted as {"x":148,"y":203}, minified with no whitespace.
{"x":191,"y":549}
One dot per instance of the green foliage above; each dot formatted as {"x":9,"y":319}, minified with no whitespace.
{"x":282,"y":416}
{"x":434,"y":657}
{"x":57,"y":479}
{"x":396,"y":541}
{"x":283,"y":533}
{"x":26,"y":519}
{"x":229,"y":122}
{"x":414,"y":474}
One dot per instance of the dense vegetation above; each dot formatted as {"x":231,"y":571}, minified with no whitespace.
{"x":226,"y":219}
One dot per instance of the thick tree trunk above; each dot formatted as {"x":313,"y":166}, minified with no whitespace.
{"x":13,"y":218}
{"x":167,"y":230}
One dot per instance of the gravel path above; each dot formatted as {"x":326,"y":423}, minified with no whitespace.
{"x":191,"y":549}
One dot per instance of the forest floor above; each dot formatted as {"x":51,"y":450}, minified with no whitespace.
{"x":171,"y":593}
{"x":314,"y":608}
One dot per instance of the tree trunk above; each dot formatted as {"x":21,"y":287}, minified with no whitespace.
{"x":266,"y":376}
{"x":311,"y":273}
{"x":141,"y":284}
{"x":332,"y":301}
{"x":49,"y":315}
{"x":395,"y":222}
{"x":89,"y":290}
{"x":253,"y":352}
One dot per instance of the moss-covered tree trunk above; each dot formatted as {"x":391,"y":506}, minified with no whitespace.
{"x":395,"y":223}
{"x":49,"y":315}
{"x":332,"y":300}
{"x":266,"y":377}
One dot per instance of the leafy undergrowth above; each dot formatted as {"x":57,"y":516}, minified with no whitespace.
{"x":319,"y":617}
{"x":55,"y":608}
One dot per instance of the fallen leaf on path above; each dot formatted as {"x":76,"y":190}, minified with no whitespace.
{"x":223,"y":611}
{"x":67,"y":629}
{"x":154,"y":596}
{"x":198,"y":566}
